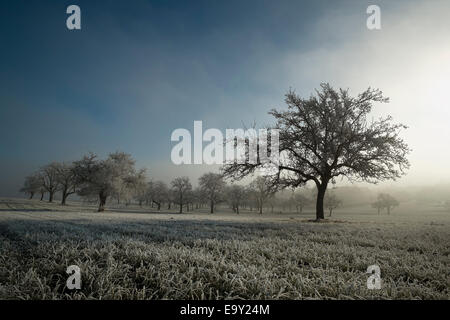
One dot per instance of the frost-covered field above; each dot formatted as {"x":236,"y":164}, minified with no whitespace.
{"x":133,"y":253}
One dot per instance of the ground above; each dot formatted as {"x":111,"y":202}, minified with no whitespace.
{"x":137,"y":253}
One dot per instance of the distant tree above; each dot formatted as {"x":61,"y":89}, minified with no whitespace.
{"x":330,"y":135}
{"x":332,"y":202}
{"x":49,"y":174}
{"x":198,"y":197}
{"x":378,"y":204}
{"x":65,"y":176}
{"x":300,"y":200}
{"x":212,"y":185}
{"x":189,"y":199}
{"x":180,"y":187}
{"x":42,"y":192}
{"x":103,"y":177}
{"x":261,"y":189}
{"x":235,"y":195}
{"x":33,"y":184}
{"x":158,"y":193}
{"x":249,"y":200}
{"x":386,"y":201}
{"x":273,"y":201}
{"x":137,"y":183}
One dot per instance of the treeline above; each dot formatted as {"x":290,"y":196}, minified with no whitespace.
{"x":116,"y":178}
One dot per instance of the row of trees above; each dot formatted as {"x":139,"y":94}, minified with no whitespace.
{"x":116,"y":177}
{"x":322,"y":138}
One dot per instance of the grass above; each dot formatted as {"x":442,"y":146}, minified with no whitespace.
{"x":132,"y":253}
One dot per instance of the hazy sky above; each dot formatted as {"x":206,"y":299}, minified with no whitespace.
{"x":137,"y":70}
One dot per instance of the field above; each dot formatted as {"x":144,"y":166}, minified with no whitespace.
{"x":137,"y":253}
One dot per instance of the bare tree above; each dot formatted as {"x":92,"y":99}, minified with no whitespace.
{"x":300,"y":200}
{"x":212,"y":185}
{"x":158,"y":193}
{"x":329,"y":136}
{"x":332,"y":202}
{"x":235,"y":194}
{"x":262,"y":190}
{"x":42,"y":191}
{"x":32,"y":184}
{"x":103,"y":177}
{"x":385,"y":201}
{"x":137,"y":184}
{"x":49,"y":174}
{"x":378,"y":204}
{"x":181,"y":186}
{"x":65,"y":177}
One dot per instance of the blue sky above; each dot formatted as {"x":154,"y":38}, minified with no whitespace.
{"x":137,"y":70}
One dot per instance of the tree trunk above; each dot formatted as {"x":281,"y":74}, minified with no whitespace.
{"x":42,"y":196}
{"x":31,"y":195}
{"x":237,"y":209}
{"x":64,"y":197}
{"x":158,"y":204}
{"x":50,"y":197}
{"x":321,"y":189}
{"x":260,"y":209}
{"x":212,"y":206}
{"x":102,"y":198}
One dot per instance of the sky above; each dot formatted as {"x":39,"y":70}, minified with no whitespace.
{"x":138,"y":70}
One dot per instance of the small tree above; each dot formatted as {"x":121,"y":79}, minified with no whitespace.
{"x":332,"y":202}
{"x":387,"y":202}
{"x":300,"y":200}
{"x":65,"y":177}
{"x":212,"y":185}
{"x":180,"y":187}
{"x":261,"y":190}
{"x":33,"y":184}
{"x":235,"y":195}
{"x":49,"y":174}
{"x":138,"y":185}
{"x":379,"y":205}
{"x":158,"y":193}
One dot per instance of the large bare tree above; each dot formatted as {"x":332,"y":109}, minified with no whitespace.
{"x":330,"y":135}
